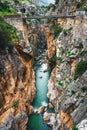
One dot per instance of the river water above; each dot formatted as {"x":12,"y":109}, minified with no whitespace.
{"x":42,"y":76}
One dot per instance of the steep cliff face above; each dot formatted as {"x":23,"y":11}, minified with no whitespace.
{"x":71,"y":76}
{"x":67,"y":7}
{"x":42,"y":38}
{"x":50,"y":43}
{"x":17,"y":88}
{"x":67,"y":87}
{"x":17,"y":76}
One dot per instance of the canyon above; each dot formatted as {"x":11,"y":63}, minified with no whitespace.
{"x":62,"y":43}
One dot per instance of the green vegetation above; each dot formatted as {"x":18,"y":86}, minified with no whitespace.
{"x":51,"y":20}
{"x":82,"y":6}
{"x":56,"y":2}
{"x":57,"y":30}
{"x":60,"y":83}
{"x":80,"y":45}
{"x":5,"y":8}
{"x":82,"y":100}
{"x":73,"y":92}
{"x":80,"y":3}
{"x":60,"y":59}
{"x":74,"y":128}
{"x":9,"y":7}
{"x":45,"y":8}
{"x":8,"y":35}
{"x":86,"y":108}
{"x":84,"y":88}
{"x":50,"y":6}
{"x":54,"y":58}
{"x":80,"y":69}
{"x":15,"y":104}
{"x":69,"y":53}
{"x":21,"y":1}
{"x":1,"y":70}
{"x":53,"y":61}
{"x":83,"y":52}
{"x":67,"y":31}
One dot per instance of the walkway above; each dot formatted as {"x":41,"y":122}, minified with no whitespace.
{"x":49,"y":17}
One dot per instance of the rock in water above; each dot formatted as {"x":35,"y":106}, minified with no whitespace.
{"x":41,"y":110}
{"x":50,"y":106}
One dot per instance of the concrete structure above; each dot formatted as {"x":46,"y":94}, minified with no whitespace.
{"x":18,"y":22}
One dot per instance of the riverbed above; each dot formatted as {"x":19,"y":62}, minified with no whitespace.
{"x":42,"y":76}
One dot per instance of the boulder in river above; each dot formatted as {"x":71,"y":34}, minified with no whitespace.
{"x":41,"y":109}
{"x":46,"y":116}
{"x":40,"y":77}
{"x":52,"y":120}
{"x":50,"y":106}
{"x":82,"y":125}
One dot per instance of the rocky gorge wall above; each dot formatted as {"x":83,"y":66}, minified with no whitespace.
{"x":42,"y":38}
{"x":17,"y":84}
{"x":18,"y":78}
{"x":67,"y":88}
{"x":17,"y":89}
{"x":51,"y":48}
{"x":18,"y":22}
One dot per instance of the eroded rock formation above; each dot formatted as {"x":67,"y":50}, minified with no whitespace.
{"x":70,"y":95}
{"x":50,"y":43}
{"x":17,"y":87}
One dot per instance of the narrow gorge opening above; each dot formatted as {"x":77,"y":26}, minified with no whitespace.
{"x":43,"y":65}
{"x":42,"y":75}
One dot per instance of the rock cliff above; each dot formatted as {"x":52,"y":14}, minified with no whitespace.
{"x":67,"y":7}
{"x":67,"y":88}
{"x":50,"y":43}
{"x":17,"y":86}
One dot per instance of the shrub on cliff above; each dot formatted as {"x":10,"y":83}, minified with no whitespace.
{"x":6,"y":8}
{"x":15,"y":104}
{"x":82,"y":5}
{"x":53,"y":61}
{"x":57,"y":30}
{"x":50,"y":6}
{"x":74,"y":128}
{"x":80,"y":69}
{"x":8,"y":35}
{"x":3,"y":6}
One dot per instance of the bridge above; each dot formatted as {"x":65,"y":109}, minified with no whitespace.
{"x":21,"y":17}
{"x":50,"y":17}
{"x":18,"y":21}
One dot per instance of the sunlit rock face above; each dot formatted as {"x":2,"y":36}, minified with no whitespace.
{"x":82,"y":125}
{"x":50,"y":43}
{"x":64,"y":7}
{"x":70,"y":98}
{"x":17,"y":87}
{"x":18,"y":81}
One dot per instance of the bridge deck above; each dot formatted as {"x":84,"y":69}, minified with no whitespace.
{"x":49,"y":17}
{"x":38,"y":17}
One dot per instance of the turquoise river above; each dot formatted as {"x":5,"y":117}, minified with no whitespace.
{"x":42,"y":76}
